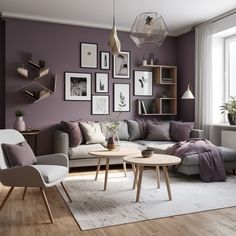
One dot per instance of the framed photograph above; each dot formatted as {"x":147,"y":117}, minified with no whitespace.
{"x":121,"y":65}
{"x":105,"y":60}
{"x":100,"y":105}
{"x":121,"y":98}
{"x":88,"y":55}
{"x":101,"y":83}
{"x":142,"y":83}
{"x":77,"y":86}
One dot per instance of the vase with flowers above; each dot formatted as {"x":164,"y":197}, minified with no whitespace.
{"x":230,"y":107}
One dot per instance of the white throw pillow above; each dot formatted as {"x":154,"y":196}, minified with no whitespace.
{"x":92,"y":132}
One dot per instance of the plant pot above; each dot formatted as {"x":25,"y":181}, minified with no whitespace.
{"x":232,"y":119}
{"x":111,"y":143}
{"x":19,"y":123}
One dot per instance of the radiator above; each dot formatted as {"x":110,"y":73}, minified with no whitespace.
{"x":228,"y":139}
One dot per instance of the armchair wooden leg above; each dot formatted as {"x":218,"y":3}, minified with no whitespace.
{"x":23,"y":197}
{"x":67,"y":194}
{"x":5,"y":199}
{"x":46,"y":204}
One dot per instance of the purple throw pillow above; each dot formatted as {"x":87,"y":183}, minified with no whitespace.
{"x":159,"y":131}
{"x":180,"y":131}
{"x":19,"y":154}
{"x":74,"y":132}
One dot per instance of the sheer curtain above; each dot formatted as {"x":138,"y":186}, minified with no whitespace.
{"x":203,"y":78}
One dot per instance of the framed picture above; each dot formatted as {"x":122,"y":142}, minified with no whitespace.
{"x":142,"y":83}
{"x":101,"y":83}
{"x":121,"y":98}
{"x":88,"y":55}
{"x":100,"y":105}
{"x":77,"y":86}
{"x":105,"y":60}
{"x":121,"y":65}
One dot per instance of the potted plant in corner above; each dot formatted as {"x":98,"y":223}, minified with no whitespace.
{"x":19,"y":123}
{"x":230,"y":107}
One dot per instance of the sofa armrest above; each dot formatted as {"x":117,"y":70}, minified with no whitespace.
{"x":197,"y":133}
{"x":61,"y":142}
{"x":53,"y":159}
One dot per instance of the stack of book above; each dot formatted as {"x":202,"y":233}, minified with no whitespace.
{"x":167,"y":80}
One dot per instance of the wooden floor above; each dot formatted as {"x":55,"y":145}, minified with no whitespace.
{"x":29,"y":217}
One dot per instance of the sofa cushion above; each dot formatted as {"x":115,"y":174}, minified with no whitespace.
{"x":158,"y":131}
{"x":161,"y":147}
{"x":180,"y":131}
{"x":81,"y":151}
{"x":74,"y":132}
{"x":52,"y":173}
{"x":129,"y":144}
{"x":92,"y":132}
{"x":19,"y":154}
{"x":134,"y":130}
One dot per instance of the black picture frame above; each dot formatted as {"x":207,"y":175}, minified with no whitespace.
{"x":105,"y":60}
{"x":100,"y":105}
{"x":121,"y":92}
{"x":88,"y":55}
{"x":121,"y":65}
{"x":101,"y":77}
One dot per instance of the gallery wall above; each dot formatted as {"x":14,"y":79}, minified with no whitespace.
{"x":59,"y":46}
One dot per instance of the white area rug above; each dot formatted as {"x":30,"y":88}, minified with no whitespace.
{"x":94,"y":208}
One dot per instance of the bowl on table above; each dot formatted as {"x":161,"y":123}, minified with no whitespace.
{"x":147,"y":153}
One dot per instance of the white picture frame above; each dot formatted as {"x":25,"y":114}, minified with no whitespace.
{"x":101,"y":82}
{"x":77,"y":86}
{"x":100,"y":105}
{"x":121,"y":65}
{"x":121,"y":99}
{"x":143,"y":83}
{"x":105,"y":60}
{"x":88,"y":55}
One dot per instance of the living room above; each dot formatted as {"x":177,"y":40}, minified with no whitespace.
{"x":72,"y":52}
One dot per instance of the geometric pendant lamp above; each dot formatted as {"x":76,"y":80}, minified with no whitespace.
{"x":149,"y":27}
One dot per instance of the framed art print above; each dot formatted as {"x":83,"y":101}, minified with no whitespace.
{"x":121,"y":65}
{"x":105,"y":60}
{"x":121,"y":100}
{"x":88,"y":55}
{"x":101,"y":83}
{"x":142,"y":83}
{"x":100,"y":105}
{"x":77,"y":86}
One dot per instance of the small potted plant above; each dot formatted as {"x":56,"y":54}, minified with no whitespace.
{"x":230,"y":107}
{"x":19,"y":123}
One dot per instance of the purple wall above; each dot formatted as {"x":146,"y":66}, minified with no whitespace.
{"x":59,"y":45}
{"x":185,"y":45}
{"x":2,"y":74}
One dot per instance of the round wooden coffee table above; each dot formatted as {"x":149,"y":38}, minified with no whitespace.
{"x":156,"y":160}
{"x":104,"y":153}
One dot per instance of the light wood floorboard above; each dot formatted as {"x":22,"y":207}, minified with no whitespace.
{"x":29,"y":217}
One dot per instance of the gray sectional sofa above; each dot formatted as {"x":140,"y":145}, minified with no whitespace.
{"x":130,"y":136}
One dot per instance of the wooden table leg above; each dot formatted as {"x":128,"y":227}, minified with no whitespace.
{"x":23,"y":197}
{"x":98,"y":168}
{"x":106,"y":173}
{"x":135,"y":176}
{"x":133,"y":168}
{"x":158,"y":176}
{"x":165,"y":171}
{"x":125,"y":170}
{"x":139,"y":182}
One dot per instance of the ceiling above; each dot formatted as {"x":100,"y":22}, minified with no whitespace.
{"x":180,"y":15}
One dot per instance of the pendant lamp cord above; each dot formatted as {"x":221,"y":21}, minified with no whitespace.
{"x":114,"y":13}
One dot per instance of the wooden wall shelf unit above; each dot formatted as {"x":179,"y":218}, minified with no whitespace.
{"x":166,"y":105}
{"x":36,"y":90}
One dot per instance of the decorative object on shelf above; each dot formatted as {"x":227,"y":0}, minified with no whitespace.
{"x":121,"y":98}
{"x":19,"y":123}
{"x":157,"y":62}
{"x":144,"y":60}
{"x":100,"y":105}
{"x":147,"y":153}
{"x":149,"y":27}
{"x":121,"y":65}
{"x":22,"y":70}
{"x":151,"y":59}
{"x":77,"y":86}
{"x":230,"y":107}
{"x":114,"y":42}
{"x":105,"y":60}
{"x":101,"y":83}
{"x":142,"y":83}
{"x":88,"y":55}
{"x":187,"y":94}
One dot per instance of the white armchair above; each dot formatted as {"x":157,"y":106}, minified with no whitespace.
{"x":48,"y":171}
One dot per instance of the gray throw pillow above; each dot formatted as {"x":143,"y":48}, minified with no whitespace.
{"x":134,"y":130}
{"x":74,"y":132}
{"x":180,"y":131}
{"x":158,"y":131}
{"x":19,"y":154}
